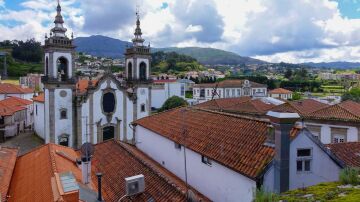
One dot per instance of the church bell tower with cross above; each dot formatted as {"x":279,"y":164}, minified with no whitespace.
{"x":59,"y":84}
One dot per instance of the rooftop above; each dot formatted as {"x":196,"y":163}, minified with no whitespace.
{"x":7,"y":164}
{"x":348,"y":152}
{"x":280,"y":91}
{"x":237,"y":143}
{"x":39,"y":98}
{"x":302,"y":107}
{"x":7,"y":88}
{"x":11,"y":105}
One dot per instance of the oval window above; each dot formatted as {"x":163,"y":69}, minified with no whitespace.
{"x":108,"y":102}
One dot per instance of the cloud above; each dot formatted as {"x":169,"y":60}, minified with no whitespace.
{"x":2,"y":3}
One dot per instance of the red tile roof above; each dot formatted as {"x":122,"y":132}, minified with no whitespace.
{"x":83,"y":84}
{"x":117,"y":161}
{"x":280,"y":91}
{"x":242,"y":105}
{"x":7,"y":164}
{"x":39,"y":98}
{"x":345,"y":111}
{"x":302,"y":107}
{"x":348,"y":152}
{"x":229,"y":84}
{"x":235,"y":142}
{"x":7,"y":88}
{"x":34,"y":171}
{"x":165,"y":81}
{"x":11,"y":105}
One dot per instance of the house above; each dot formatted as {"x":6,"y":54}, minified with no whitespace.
{"x":61,"y":176}
{"x":164,"y":89}
{"x":228,"y":156}
{"x":38,"y":106}
{"x":227,"y":89}
{"x":281,"y":93}
{"x":8,"y":158}
{"x":189,"y":84}
{"x":246,"y":106}
{"x":12,"y":90}
{"x":13,"y":117}
{"x":32,"y":81}
{"x":335,"y":123}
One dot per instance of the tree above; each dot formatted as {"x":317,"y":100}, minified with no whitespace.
{"x":296,"y":96}
{"x":353,"y":94}
{"x":172,"y":103}
{"x":288,"y":73}
{"x":29,"y":51}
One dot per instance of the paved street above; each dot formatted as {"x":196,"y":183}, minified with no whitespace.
{"x":25,"y":141}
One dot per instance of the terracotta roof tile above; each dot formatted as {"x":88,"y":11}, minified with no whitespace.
{"x":7,"y":88}
{"x":230,"y":84}
{"x":345,"y":111}
{"x":302,"y":107}
{"x":280,"y":91}
{"x":223,"y":103}
{"x":117,"y":161}
{"x":83,"y":84}
{"x":7,"y":164}
{"x":348,"y":152}
{"x":237,"y":143}
{"x":39,"y":98}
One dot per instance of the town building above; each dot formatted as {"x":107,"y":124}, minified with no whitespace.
{"x":38,"y":107}
{"x":162,"y":90}
{"x":281,"y":93}
{"x":62,"y":175}
{"x":227,"y":89}
{"x":12,"y":90}
{"x":78,"y":111}
{"x":329,"y":123}
{"x":32,"y":81}
{"x":227,"y":162}
{"x":16,"y":115}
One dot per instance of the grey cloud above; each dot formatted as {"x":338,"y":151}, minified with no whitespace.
{"x":106,"y":16}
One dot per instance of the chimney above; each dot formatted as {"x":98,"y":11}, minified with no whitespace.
{"x":86,"y":169}
{"x":99,"y":198}
{"x":283,"y":123}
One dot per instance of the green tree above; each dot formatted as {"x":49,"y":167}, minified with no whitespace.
{"x":353,"y":94}
{"x":172,"y":103}
{"x":296,"y":96}
{"x":28,"y":51}
{"x":288,"y":73}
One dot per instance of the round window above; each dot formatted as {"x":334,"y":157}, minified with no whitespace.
{"x":108,"y":102}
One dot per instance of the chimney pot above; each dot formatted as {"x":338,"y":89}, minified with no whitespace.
{"x":99,"y":175}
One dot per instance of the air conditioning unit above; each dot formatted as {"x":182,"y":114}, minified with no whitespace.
{"x":135,"y":185}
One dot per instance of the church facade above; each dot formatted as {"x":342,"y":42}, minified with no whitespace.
{"x":78,"y":111}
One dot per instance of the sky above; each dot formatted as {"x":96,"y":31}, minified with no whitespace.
{"x":292,"y":31}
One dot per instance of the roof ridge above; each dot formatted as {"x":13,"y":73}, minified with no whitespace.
{"x":233,"y":115}
{"x":347,"y":109}
{"x":52,"y":158}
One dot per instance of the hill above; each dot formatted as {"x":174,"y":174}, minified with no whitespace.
{"x":101,"y":46}
{"x":337,"y":65}
{"x":108,"y":47}
{"x":213,"y":56}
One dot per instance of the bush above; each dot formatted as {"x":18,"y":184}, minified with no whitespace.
{"x":173,"y":102}
{"x":350,"y":176}
{"x":261,"y":195}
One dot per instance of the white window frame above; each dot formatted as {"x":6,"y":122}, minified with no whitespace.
{"x":303,"y":159}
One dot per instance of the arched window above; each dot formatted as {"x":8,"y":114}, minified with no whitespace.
{"x":62,"y":69}
{"x":46,"y":66}
{"x":63,"y":114}
{"x":108,"y":102}
{"x":108,"y":133}
{"x":130,"y":71}
{"x":143,"y":74}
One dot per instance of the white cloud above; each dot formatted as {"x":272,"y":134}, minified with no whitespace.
{"x":275,"y":30}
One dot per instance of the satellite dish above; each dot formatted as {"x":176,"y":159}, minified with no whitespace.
{"x":87,"y":150}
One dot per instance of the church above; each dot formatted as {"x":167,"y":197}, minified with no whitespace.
{"x":78,"y":111}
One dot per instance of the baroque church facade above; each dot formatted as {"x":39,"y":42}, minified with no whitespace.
{"x":78,"y":111}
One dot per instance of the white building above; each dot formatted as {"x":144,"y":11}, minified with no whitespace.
{"x":12,"y":90}
{"x":39,"y":119}
{"x":162,"y":90}
{"x":82,"y":111}
{"x":281,"y":93}
{"x":227,"y":162}
{"x":228,"y":89}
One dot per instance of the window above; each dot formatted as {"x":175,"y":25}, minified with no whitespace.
{"x":62,"y":69}
{"x":46,"y":66}
{"x":339,"y":139}
{"x":108,"y":102}
{"x":36,"y":110}
{"x":339,"y":135}
{"x":177,"y":146}
{"x":63,"y":114}
{"x":202,"y":93}
{"x":208,"y":92}
{"x":303,"y":161}
{"x":143,"y":74}
{"x":182,"y":90}
{"x":227,"y":92}
{"x":64,"y":140}
{"x":238,"y":92}
{"x":233,"y":92}
{"x":143,"y":109}
{"x":206,"y":160}
{"x":2,"y":120}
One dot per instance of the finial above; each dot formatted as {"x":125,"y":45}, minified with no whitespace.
{"x":72,"y":35}
{"x":149,"y":44}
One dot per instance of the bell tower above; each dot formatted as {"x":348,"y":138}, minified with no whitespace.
{"x":138,"y":57}
{"x":59,"y":84}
